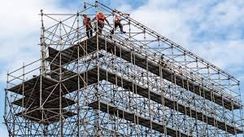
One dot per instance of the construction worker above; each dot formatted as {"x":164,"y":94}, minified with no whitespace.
{"x":117,"y":23}
{"x":100,"y":17}
{"x":87,"y":24}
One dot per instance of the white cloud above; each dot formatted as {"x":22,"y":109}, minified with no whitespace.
{"x":166,"y":21}
{"x":20,"y":30}
{"x":226,"y":13}
{"x":22,"y":16}
{"x":19,"y":35}
{"x":182,"y":21}
{"x":223,"y":53}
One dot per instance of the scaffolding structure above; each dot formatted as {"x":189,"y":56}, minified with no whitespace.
{"x":134,"y":84}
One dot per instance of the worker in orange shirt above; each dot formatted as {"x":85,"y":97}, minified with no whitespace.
{"x":117,"y":23}
{"x":100,"y":17}
{"x":87,"y":24}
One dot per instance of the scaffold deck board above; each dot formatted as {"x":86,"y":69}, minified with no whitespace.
{"x":50,"y":86}
{"x":45,"y":116}
{"x":71,"y":53}
{"x":51,"y":102}
{"x":30,"y":85}
{"x":135,"y":118}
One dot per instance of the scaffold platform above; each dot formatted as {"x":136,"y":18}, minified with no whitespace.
{"x":70,"y":54}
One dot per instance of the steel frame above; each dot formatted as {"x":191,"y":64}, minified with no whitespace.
{"x":134,"y":84}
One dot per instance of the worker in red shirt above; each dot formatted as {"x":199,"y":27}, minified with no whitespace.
{"x":100,"y":17}
{"x":117,"y":23}
{"x":87,"y":24}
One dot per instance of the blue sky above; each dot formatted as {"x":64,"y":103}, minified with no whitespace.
{"x":211,"y":28}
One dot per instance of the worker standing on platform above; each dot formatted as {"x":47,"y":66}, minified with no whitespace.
{"x":100,"y":17}
{"x":117,"y":23}
{"x":87,"y":24}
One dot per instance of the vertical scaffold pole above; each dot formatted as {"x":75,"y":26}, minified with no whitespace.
{"x":97,"y":86}
{"x":78,"y":77}
{"x":42,"y":44}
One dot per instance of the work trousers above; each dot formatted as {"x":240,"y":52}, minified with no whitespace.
{"x":88,"y":32}
{"x":117,"y":25}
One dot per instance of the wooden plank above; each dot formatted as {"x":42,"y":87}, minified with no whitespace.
{"x":49,"y":116}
